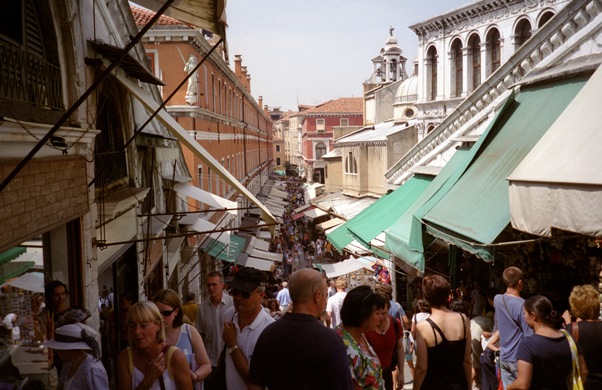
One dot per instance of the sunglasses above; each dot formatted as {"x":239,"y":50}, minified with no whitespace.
{"x":167,"y":313}
{"x":234,"y":292}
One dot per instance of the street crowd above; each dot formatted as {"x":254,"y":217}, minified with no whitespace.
{"x":315,"y":333}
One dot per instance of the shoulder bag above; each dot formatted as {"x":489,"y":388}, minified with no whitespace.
{"x":196,"y":385}
{"x":577,"y":382}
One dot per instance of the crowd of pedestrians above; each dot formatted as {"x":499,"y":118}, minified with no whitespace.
{"x":315,"y":333}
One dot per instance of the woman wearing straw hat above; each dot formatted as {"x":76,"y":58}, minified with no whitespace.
{"x":77,"y":347}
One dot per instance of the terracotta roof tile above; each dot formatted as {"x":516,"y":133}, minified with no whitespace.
{"x":341,"y":105}
{"x":142,"y":16}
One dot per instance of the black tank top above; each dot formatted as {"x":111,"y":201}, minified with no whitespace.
{"x":445,"y":363}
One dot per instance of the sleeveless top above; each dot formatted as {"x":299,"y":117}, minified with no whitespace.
{"x":185,"y":343}
{"x":138,"y":375}
{"x":445,"y":364}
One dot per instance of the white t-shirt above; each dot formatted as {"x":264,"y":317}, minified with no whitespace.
{"x":333,"y":308}
{"x":247,"y":338}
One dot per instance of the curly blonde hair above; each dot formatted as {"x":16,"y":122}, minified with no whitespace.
{"x":585,"y":302}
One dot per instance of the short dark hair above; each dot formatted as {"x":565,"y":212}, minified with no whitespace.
{"x":436,"y":290}
{"x":216,"y":273}
{"x":358,"y":305}
{"x":190,"y":296}
{"x":511,"y":276}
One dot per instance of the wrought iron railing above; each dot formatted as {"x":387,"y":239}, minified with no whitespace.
{"x":27,"y":78}
{"x":108,"y":167}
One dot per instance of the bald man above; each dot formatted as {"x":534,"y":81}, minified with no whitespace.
{"x":298,"y":351}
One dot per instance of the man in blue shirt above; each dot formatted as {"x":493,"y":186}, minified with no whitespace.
{"x":510,"y":322}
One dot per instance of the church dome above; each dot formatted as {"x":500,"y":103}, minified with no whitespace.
{"x":407,"y":92}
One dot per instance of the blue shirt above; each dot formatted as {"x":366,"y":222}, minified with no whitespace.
{"x":510,"y":321}
{"x":395,"y":310}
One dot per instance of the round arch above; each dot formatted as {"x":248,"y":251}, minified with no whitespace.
{"x":544,"y":16}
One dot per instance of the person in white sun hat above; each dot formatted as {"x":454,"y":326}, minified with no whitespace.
{"x":76,"y":345}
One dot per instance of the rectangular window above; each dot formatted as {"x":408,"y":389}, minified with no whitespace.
{"x":200,"y":176}
{"x":320,"y":125}
{"x":209,"y":180}
{"x":277,"y":148}
{"x":344,"y":122}
{"x":278,"y":161}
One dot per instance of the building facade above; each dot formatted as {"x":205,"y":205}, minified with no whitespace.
{"x":318,"y":134}
{"x":459,"y":50}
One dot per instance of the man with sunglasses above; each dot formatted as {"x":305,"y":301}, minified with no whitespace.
{"x":245,"y":322}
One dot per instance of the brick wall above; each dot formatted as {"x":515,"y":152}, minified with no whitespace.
{"x":47,"y":193}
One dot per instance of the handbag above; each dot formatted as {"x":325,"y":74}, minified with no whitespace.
{"x":196,"y":385}
{"x":576,"y":377}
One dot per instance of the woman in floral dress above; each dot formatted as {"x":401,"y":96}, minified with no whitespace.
{"x":361,"y":312}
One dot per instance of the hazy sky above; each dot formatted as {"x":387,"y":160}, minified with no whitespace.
{"x":311,"y":51}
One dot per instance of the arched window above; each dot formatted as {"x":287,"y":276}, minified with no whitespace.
{"x":320,"y":150}
{"x":493,"y":50}
{"x":431,"y":69}
{"x":350,"y":163}
{"x":544,"y":18}
{"x":522,"y":33}
{"x":474,"y":53}
{"x":457,"y":69}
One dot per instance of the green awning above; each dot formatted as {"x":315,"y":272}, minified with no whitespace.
{"x":12,"y":253}
{"x":475,"y":210}
{"x":406,"y":238}
{"x":228,"y":253}
{"x":381,"y":214}
{"x":339,"y":237}
{"x":14,"y":269}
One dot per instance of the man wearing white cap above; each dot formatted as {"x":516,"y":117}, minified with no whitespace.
{"x":76,"y":345}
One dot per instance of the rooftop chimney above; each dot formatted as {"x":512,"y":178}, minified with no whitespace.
{"x":237,"y":66}
{"x":260,"y":102}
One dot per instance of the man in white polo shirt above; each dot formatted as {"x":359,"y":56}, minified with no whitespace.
{"x":245,"y":322}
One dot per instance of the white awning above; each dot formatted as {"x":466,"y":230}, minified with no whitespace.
{"x":260,"y":264}
{"x":205,"y":197}
{"x":31,"y":281}
{"x":262,"y":245}
{"x":343,"y":267}
{"x":176,"y":129}
{"x":201,"y":225}
{"x":271,"y":256}
{"x":330,"y":223}
{"x":206,"y":14}
{"x":277,"y":201}
{"x":314,"y":213}
{"x":279,"y":193}
{"x":559,"y":183}
{"x":301,"y":208}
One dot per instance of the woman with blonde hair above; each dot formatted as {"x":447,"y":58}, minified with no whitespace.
{"x":180,"y":333}
{"x":150,"y":363}
{"x":587,"y":331}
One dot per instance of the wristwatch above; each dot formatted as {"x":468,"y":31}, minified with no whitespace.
{"x":231,"y":349}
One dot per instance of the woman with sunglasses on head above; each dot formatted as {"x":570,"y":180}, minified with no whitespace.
{"x":362,"y":311}
{"x":149,"y":362}
{"x":442,"y":342}
{"x":180,"y":333}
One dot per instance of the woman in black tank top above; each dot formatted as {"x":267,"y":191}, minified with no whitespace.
{"x":442,"y":362}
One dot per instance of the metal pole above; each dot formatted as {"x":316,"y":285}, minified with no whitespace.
{"x":82,"y":98}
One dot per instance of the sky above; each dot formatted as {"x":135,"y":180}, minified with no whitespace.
{"x":312,"y":51}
